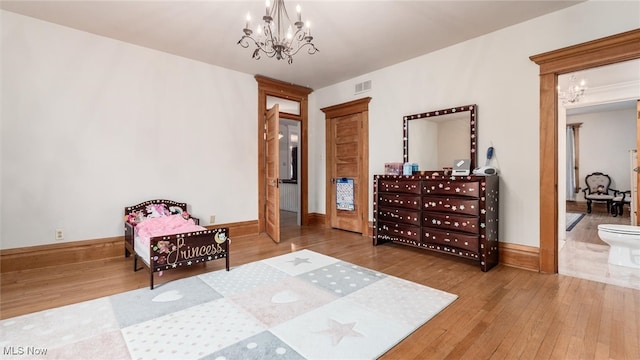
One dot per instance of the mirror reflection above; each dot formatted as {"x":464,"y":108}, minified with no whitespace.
{"x":435,"y":139}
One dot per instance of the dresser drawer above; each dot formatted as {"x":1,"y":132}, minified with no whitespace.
{"x":407,"y":231}
{"x":451,"y":205}
{"x":401,"y":186}
{"x":467,"y":224}
{"x":457,"y":188}
{"x":400,"y":200}
{"x":450,"y":238}
{"x":400,"y":215}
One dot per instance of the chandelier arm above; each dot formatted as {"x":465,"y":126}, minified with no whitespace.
{"x":302,"y":40}
{"x":299,"y":35}
{"x":312,"y":50}
{"x":245,"y":43}
{"x":260,"y":47}
{"x":268,"y":34}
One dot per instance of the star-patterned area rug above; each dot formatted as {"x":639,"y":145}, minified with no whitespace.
{"x":301,"y":305}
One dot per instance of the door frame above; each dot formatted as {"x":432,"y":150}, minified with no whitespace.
{"x":634,"y":209}
{"x":349,"y":108}
{"x":605,"y":51}
{"x":284,"y":90}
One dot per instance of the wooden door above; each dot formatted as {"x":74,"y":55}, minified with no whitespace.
{"x":272,"y":173}
{"x":347,"y":147}
{"x":346,"y":154}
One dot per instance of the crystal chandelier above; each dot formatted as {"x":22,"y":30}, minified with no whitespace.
{"x":574,"y":91}
{"x":278,"y":37}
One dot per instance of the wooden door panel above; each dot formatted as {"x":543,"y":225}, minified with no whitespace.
{"x":272,"y":163}
{"x":348,"y":159}
{"x":272,"y":149}
{"x":346,"y":164}
{"x":345,"y":149}
{"x":349,"y":165}
{"x":349,"y":128}
{"x":346,"y":140}
{"x":346,"y":170}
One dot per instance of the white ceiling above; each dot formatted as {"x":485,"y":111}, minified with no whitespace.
{"x":627,"y":72}
{"x":354,"y":37}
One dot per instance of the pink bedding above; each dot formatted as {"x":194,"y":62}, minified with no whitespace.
{"x":169,"y":225}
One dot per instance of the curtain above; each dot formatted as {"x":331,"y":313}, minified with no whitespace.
{"x":571,"y":165}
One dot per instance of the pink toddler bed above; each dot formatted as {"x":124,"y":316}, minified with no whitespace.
{"x":165,"y":236}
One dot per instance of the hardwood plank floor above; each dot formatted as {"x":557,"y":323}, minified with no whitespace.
{"x":587,"y":229}
{"x":506,"y":313}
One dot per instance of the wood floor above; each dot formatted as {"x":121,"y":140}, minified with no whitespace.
{"x":587,"y":229}
{"x":506,"y":313}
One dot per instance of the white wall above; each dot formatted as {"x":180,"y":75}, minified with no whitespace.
{"x":84,"y":119}
{"x":605,"y":140}
{"x":90,"y":125}
{"x":492,"y":71}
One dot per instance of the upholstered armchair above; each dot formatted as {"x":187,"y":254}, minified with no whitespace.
{"x":598,"y":190}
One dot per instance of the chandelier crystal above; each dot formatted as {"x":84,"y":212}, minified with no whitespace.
{"x":574,"y":91}
{"x":277,"y":36}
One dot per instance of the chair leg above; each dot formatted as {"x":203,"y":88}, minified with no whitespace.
{"x":588,"y":206}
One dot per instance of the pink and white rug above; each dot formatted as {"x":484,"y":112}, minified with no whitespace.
{"x":301,"y":305}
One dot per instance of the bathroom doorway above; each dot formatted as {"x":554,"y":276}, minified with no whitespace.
{"x":606,"y":115}
{"x":604,"y":51}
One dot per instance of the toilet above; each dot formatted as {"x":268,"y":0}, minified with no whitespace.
{"x":625,"y":244}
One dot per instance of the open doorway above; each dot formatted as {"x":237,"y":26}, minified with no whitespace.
{"x":289,"y":144}
{"x":604,"y":124}
{"x":600,"y":52}
{"x":293,"y":105}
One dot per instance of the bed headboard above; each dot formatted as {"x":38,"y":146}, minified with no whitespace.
{"x":154,"y":208}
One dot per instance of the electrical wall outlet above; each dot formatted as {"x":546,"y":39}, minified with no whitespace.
{"x":59,"y":234}
{"x":212,"y":219}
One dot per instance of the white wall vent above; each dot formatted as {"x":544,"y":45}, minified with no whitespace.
{"x":363,"y":87}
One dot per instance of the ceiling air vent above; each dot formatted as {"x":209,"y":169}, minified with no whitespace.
{"x":363,"y":86}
